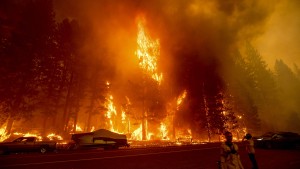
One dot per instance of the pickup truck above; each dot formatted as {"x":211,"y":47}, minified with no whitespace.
{"x":100,"y":138}
{"x":27,"y":144}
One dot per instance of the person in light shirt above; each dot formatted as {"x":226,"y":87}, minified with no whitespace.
{"x":250,"y":150}
{"x":230,"y":159}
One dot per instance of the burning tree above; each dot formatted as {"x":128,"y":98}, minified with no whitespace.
{"x":148,"y":52}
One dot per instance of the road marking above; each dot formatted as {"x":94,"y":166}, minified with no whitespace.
{"x":103,"y":158}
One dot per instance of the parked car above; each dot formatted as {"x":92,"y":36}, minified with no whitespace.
{"x":27,"y":144}
{"x":277,"y":140}
{"x":100,"y":138}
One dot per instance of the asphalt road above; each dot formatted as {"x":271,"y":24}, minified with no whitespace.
{"x":179,"y":157}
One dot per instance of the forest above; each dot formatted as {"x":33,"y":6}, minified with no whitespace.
{"x":58,"y":74}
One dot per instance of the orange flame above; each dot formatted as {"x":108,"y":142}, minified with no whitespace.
{"x":180,"y":98}
{"x":3,"y":134}
{"x":137,"y":134}
{"x":147,"y":52}
{"x":111,"y":110}
{"x":53,"y":136}
{"x":93,"y":129}
{"x":164,"y":131}
{"x":78,"y":128}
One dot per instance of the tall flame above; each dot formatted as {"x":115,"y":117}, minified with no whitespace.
{"x":180,"y":98}
{"x":137,"y":134}
{"x":147,"y":52}
{"x":111,"y":110}
{"x":164,"y":131}
{"x":3,"y":134}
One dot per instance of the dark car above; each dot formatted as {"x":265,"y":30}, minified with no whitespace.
{"x":27,"y":144}
{"x":277,"y":140}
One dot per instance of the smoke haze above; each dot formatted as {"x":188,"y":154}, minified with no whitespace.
{"x":281,"y":37}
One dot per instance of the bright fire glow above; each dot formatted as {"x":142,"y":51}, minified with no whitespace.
{"x":93,"y":129}
{"x":147,"y":52}
{"x":180,"y":98}
{"x":137,"y":134}
{"x":53,"y":136}
{"x":164,"y":131}
{"x":33,"y":135}
{"x":111,"y":110}
{"x":3,"y":135}
{"x":123,"y":117}
{"x":78,"y":128}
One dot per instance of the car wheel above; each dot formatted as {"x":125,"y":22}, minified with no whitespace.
{"x":43,"y":150}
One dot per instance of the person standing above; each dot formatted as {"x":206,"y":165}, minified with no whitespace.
{"x":230,"y":158}
{"x":250,"y":150}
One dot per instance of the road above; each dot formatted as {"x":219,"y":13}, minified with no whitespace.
{"x":179,"y":157}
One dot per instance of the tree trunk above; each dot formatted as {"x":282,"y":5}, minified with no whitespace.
{"x":44,"y":125}
{"x":173,"y":128}
{"x":88,"y":125}
{"x":76,"y":117}
{"x":66,"y":108}
{"x":144,"y":126}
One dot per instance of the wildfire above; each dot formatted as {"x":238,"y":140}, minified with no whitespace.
{"x":93,"y":129}
{"x":78,"y":128}
{"x":164,"y":131}
{"x":147,"y":52}
{"x":180,"y":98}
{"x":3,"y":134}
{"x":123,"y":117}
{"x":107,"y":84}
{"x":29,"y":135}
{"x":137,"y":134}
{"x":111,"y":110}
{"x":53,"y":136}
